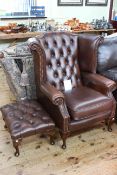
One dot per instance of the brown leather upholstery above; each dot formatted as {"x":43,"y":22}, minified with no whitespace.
{"x":106,"y":63}
{"x":26,"y":118}
{"x":83,"y":102}
{"x":56,"y":58}
{"x":88,"y":46}
{"x":107,"y":58}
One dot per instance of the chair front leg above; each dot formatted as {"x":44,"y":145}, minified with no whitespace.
{"x":64,"y":137}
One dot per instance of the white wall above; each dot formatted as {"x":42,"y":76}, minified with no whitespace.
{"x":60,"y":13}
{"x":84,"y":13}
{"x":115,"y":5}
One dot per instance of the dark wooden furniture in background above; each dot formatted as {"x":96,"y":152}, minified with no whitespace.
{"x":97,"y":32}
{"x":4,"y":36}
{"x":113,"y":22}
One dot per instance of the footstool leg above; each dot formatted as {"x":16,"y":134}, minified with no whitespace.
{"x":51,"y":137}
{"x":64,"y":143}
{"x":109,"y":123}
{"x":16,"y":146}
{"x":52,"y":140}
{"x":5,"y":126}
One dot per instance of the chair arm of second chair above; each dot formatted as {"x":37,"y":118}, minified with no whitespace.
{"x":99,"y":83}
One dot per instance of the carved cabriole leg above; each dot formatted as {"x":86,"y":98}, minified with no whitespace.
{"x":5,"y":126}
{"x":16,"y":146}
{"x":109,"y":123}
{"x":116,"y":115}
{"x":115,"y":96}
{"x":52,"y":140}
{"x":52,"y":134}
{"x":64,"y":137}
{"x":110,"y":119}
{"x":64,"y":143}
{"x":64,"y":132}
{"x":106,"y":121}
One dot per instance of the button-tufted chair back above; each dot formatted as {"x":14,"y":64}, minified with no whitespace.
{"x":61,"y":52}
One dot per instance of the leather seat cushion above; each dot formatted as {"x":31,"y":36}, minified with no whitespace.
{"x":26,"y":118}
{"x":83,"y":102}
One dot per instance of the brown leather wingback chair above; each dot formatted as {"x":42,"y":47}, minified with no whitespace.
{"x":56,"y":58}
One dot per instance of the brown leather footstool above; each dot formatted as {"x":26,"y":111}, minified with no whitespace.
{"x":26,"y":118}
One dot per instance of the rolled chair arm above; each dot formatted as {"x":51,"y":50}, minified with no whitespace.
{"x":54,"y":95}
{"x":99,"y":83}
{"x":57,"y":98}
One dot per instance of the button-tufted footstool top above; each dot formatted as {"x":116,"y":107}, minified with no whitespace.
{"x":26,"y":118}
